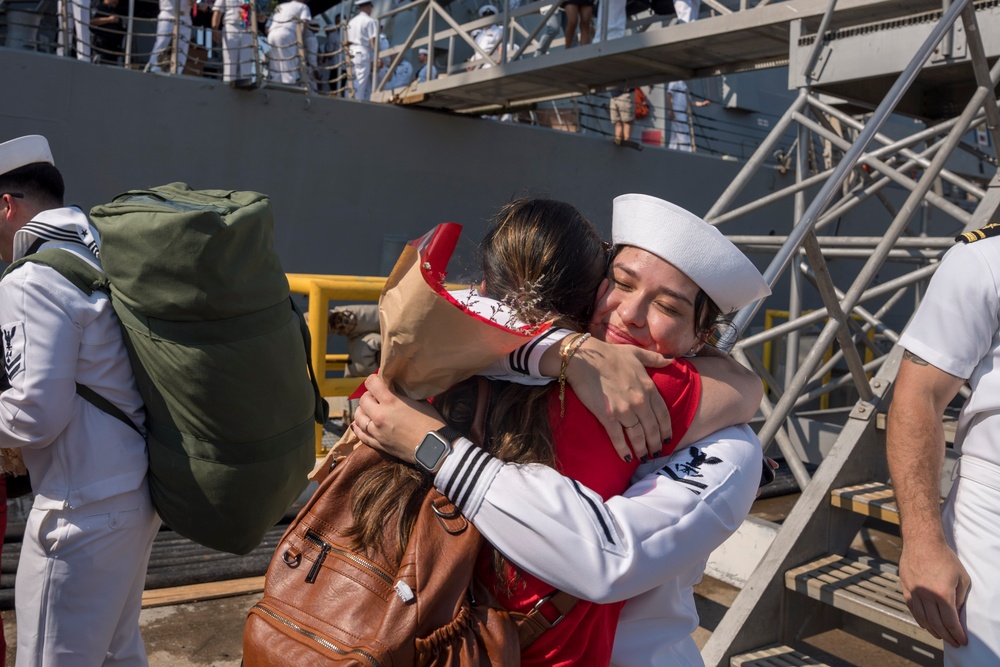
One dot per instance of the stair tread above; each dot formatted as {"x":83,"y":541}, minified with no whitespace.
{"x":775,"y":656}
{"x":874,"y":499}
{"x":869,"y":590}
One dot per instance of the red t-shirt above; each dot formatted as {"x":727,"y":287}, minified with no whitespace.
{"x":584,"y":452}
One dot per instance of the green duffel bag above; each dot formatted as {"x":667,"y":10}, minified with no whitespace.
{"x":220,"y":354}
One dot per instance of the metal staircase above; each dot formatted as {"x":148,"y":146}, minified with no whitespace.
{"x":809,"y":580}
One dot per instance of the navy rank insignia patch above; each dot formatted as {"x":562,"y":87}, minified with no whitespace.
{"x":992,"y":229}
{"x":690,"y":472}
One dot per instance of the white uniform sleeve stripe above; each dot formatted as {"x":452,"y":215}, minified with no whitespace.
{"x":520,"y":362}
{"x":602,"y":518}
{"x":450,"y":489}
{"x":477,"y":470}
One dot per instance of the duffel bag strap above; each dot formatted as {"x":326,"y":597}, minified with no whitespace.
{"x":322,"y":412}
{"x":103,"y":404}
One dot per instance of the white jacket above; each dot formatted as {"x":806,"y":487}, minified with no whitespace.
{"x":649,"y":546}
{"x":55,"y":336}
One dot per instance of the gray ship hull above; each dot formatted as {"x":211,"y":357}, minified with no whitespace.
{"x":348,"y":180}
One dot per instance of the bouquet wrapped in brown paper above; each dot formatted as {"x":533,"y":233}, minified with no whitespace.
{"x":431,"y":340}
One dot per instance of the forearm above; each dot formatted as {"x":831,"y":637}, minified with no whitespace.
{"x":915,"y":452}
{"x":564,"y":534}
{"x":915,"y":445}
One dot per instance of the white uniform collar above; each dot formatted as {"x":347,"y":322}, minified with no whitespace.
{"x":64,"y":225}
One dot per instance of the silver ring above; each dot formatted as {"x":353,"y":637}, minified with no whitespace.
{"x":367,"y":425}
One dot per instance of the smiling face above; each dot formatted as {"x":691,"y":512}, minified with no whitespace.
{"x":649,"y":303}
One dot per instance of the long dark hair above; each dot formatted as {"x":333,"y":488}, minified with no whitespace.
{"x":546,"y":259}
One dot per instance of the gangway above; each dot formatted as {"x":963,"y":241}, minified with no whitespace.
{"x":736,"y":39}
{"x":810,"y":580}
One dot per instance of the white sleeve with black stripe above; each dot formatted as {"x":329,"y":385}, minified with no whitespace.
{"x":676,"y":515}
{"x":521,"y":365}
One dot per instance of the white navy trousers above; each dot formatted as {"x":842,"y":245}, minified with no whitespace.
{"x":971,"y":515}
{"x":80,"y":580}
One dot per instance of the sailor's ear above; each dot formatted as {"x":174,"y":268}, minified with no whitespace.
{"x":482,"y":289}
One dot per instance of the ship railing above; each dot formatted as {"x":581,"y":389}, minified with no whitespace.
{"x":526,"y":33}
{"x":173,"y":44}
{"x":321,"y":290}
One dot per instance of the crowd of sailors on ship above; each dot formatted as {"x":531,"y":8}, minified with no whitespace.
{"x":342,"y":51}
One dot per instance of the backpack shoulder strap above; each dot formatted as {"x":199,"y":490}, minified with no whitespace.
{"x":321,"y":412}
{"x":88,"y":279}
{"x":85,"y":276}
{"x":532,"y":625}
{"x":103,"y":404}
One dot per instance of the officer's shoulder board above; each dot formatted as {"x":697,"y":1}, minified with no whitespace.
{"x":992,"y":229}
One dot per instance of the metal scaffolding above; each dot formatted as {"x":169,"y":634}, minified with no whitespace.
{"x":871,"y":161}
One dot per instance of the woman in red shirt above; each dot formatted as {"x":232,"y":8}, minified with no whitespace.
{"x":547,"y":253}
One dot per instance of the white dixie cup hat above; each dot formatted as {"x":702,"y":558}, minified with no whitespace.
{"x":23,"y":151}
{"x":681,"y":238}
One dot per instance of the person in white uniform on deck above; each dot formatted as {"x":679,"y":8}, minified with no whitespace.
{"x":687,"y":10}
{"x":948,"y":565}
{"x":679,"y":104}
{"x":288,"y":22}
{"x":91,"y":526}
{"x":650,"y":545}
{"x":362,"y":31}
{"x":78,"y":22}
{"x":174,"y":14}
{"x":238,"y":40}
{"x":488,"y":39}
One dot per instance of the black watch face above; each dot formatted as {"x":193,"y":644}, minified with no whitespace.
{"x":430,"y":451}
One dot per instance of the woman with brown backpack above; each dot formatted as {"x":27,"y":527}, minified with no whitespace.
{"x":550,"y":426}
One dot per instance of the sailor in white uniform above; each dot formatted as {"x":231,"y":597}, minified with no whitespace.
{"x":237,"y":40}
{"x":289,"y":21}
{"x":362,"y":31}
{"x":649,"y":545}
{"x":173,"y":14}
{"x":948,"y":565}
{"x":90,"y":531}
{"x":488,"y":38}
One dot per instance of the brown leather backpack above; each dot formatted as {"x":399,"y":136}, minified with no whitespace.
{"x":324,"y":603}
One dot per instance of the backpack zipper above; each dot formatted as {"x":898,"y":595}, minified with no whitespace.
{"x":325,"y":643}
{"x":325,"y":548}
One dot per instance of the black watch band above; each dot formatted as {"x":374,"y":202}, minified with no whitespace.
{"x":450,"y":434}
{"x":434,"y":448}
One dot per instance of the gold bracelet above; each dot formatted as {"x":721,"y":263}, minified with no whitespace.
{"x":567,"y":353}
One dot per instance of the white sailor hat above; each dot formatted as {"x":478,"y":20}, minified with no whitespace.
{"x":422,"y":51}
{"x":358,"y":3}
{"x":24,"y":151}
{"x":487,"y":8}
{"x":692,"y":245}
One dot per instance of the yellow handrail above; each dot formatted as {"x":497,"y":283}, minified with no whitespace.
{"x":321,"y":290}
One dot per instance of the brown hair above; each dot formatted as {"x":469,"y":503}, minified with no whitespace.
{"x":546,"y":260}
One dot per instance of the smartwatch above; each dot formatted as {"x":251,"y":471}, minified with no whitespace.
{"x":434,"y":448}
